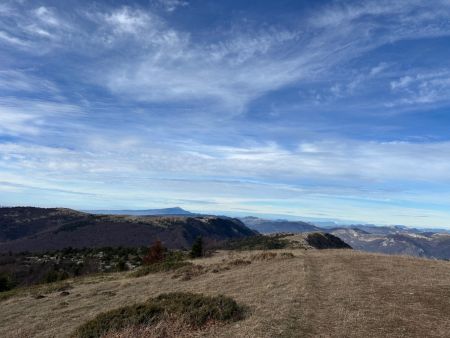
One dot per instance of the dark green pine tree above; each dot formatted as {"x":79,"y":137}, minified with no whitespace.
{"x":197,"y":248}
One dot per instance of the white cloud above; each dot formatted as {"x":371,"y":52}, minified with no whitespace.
{"x":47,"y":16}
{"x":17,"y":80}
{"x":402,"y":82}
{"x":244,"y":66}
{"x":172,"y":5}
{"x":34,"y":117}
{"x":13,"y":40}
{"x":129,"y":21}
{"x":165,"y":64}
{"x":347,"y":174}
{"x":336,"y":161}
{"x":378,"y":69}
{"x":423,"y":87}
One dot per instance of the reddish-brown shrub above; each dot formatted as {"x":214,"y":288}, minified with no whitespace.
{"x":155,"y":254}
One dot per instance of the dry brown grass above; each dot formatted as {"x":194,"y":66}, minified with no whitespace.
{"x":331,"y":293}
{"x":264,"y":256}
{"x":172,"y":327}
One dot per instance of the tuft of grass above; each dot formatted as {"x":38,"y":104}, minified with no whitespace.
{"x":263,"y":256}
{"x":8,"y":294}
{"x":188,"y":272}
{"x":195,"y":310}
{"x":36,"y":290}
{"x":239,"y":261}
{"x":287,"y":255}
{"x":164,"y":266}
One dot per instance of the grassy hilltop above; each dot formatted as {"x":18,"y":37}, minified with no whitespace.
{"x":290,"y":292}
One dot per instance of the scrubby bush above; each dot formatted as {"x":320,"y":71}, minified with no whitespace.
{"x":55,"y":276}
{"x":6,"y":282}
{"x":121,"y":265}
{"x":172,"y":261}
{"x":155,"y":254}
{"x":195,"y":310}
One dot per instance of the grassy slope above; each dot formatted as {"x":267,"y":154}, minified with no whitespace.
{"x":317,"y":293}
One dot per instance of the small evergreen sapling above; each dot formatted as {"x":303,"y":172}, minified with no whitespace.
{"x":197,"y":248}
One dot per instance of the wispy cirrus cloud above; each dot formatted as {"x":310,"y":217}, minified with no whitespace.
{"x":167,"y":64}
{"x":172,"y":5}
{"x":423,"y":87}
{"x":35,"y":117}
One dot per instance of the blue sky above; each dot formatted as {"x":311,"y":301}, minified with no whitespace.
{"x":328,"y":109}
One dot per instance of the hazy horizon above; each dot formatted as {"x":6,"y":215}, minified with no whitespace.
{"x":324,"y":109}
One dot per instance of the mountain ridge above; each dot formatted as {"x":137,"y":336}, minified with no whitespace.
{"x":38,"y":229}
{"x":143,"y":212}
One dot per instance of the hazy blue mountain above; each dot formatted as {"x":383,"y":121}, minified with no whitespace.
{"x":145,"y":212}
{"x":395,"y":239}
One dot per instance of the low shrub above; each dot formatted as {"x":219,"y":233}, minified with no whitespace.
{"x":55,"y":276}
{"x":6,"y":282}
{"x":173,"y":260}
{"x":195,"y":310}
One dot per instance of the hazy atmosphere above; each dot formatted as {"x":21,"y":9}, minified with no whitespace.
{"x":324,"y":109}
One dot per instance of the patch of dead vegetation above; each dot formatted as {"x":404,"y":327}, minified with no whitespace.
{"x":264,"y":256}
{"x":170,"y":327}
{"x":235,"y":261}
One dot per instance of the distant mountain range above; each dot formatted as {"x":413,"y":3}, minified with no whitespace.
{"x":266,"y":226}
{"x":396,"y":239}
{"x":401,"y":241}
{"x":39,"y":229}
{"x":165,"y":211}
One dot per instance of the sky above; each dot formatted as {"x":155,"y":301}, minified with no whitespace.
{"x":325,"y":109}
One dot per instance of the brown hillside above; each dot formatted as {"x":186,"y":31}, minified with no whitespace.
{"x":38,"y":230}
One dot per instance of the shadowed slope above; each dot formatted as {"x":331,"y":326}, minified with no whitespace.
{"x":36,"y":229}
